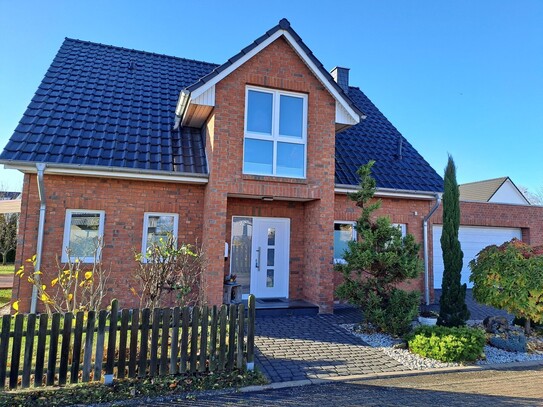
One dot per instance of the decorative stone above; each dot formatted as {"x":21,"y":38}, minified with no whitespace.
{"x":496,"y":325}
{"x":512,"y":341}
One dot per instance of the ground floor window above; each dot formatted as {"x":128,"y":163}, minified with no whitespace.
{"x":402,"y":227}
{"x":82,"y":232}
{"x":157,"y":226}
{"x":240,"y":261}
{"x":344,"y":232}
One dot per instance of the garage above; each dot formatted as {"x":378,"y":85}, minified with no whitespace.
{"x":473,"y":239}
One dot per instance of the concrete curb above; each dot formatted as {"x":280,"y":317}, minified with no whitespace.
{"x":383,"y":375}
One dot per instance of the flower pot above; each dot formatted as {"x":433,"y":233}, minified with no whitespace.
{"x":428,"y":320}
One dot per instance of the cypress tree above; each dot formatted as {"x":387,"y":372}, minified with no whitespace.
{"x":452,"y":305}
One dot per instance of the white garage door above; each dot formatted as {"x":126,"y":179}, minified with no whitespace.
{"x":473,"y":239}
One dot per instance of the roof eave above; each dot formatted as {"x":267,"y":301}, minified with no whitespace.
{"x":109,"y":172}
{"x":390,"y":192}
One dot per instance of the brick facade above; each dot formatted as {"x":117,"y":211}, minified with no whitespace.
{"x":124,"y":203}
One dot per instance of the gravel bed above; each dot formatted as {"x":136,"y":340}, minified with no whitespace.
{"x":386,"y":344}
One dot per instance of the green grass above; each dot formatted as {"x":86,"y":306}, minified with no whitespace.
{"x":5,"y":296}
{"x":7,"y":269}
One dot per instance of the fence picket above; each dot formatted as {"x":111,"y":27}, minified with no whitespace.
{"x":123,"y":335}
{"x":89,"y":340}
{"x":222,"y":340}
{"x":241,"y":336}
{"x":144,"y":344}
{"x":65,"y":348}
{"x":78,"y":337}
{"x":251,"y":315}
{"x":100,"y":341}
{"x":111,"y":342}
{"x":4,"y":343}
{"x":213,"y":340}
{"x":154,"y":342}
{"x":164,"y":338}
{"x":40,"y":354}
{"x":29,"y":350}
{"x":16,"y":351}
{"x":134,"y":331}
{"x":194,"y":338}
{"x":184,"y":341}
{"x":203,"y":340}
{"x":175,"y":340}
{"x":53,"y":349}
{"x":231,"y":337}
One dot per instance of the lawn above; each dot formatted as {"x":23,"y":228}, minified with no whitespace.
{"x":7,"y":269}
{"x":5,"y":296}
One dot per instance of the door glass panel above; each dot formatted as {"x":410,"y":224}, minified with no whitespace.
{"x":240,"y":262}
{"x":271,"y":257}
{"x":271,"y":236}
{"x":270,"y":278}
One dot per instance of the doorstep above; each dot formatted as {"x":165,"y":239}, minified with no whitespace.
{"x":283,"y":307}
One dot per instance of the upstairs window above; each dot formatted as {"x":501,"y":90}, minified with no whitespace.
{"x":275,"y":133}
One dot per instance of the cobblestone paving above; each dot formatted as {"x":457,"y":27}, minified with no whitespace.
{"x":475,"y":388}
{"x":477,"y":311}
{"x":315,"y":347}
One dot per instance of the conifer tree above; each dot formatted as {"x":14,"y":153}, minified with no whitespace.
{"x":376,"y":263}
{"x":452,"y":305}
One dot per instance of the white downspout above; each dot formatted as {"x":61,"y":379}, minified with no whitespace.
{"x":41,"y":227}
{"x":425,"y":239}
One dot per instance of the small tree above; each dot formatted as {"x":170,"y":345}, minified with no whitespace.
{"x":8,"y":234}
{"x":165,"y":268}
{"x":510,"y":277}
{"x":377,"y":263}
{"x":453,"y":310}
{"x":75,"y":287}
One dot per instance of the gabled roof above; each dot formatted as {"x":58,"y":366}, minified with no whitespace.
{"x":397,"y":164}
{"x":285,"y":30}
{"x":486,"y":190}
{"x":105,"y":106}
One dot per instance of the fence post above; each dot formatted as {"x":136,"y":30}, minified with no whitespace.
{"x":251,"y":314}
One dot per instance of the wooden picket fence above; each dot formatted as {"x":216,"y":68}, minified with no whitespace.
{"x":129,"y":343}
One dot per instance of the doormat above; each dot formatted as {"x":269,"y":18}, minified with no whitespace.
{"x":269,"y":300}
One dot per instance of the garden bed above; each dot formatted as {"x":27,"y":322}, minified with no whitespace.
{"x":395,"y":348}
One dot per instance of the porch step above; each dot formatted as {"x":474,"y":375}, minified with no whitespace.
{"x":281,"y":307}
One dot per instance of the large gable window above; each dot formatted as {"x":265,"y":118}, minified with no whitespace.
{"x":83,"y":230}
{"x":275,"y":133}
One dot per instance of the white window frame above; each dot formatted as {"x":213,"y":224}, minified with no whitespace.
{"x":354,"y":236}
{"x":67,"y":229}
{"x":275,"y":137}
{"x":146,"y":217}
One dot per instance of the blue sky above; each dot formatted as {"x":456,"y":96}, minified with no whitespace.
{"x":462,"y":77}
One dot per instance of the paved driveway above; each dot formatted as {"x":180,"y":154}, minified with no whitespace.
{"x":315,"y":347}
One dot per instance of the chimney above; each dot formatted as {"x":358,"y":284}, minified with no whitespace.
{"x":341,"y":76}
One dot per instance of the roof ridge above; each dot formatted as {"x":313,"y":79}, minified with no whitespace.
{"x":485,"y":180}
{"x":139,"y":51}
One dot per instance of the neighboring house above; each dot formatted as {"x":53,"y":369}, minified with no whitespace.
{"x":259,"y":152}
{"x":507,"y":215}
{"x":10,"y":202}
{"x":497,"y":190}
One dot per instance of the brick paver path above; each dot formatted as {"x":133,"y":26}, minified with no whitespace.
{"x":315,"y":347}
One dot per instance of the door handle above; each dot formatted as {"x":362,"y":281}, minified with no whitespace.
{"x":257,"y":261}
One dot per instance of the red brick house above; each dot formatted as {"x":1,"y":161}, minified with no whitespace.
{"x":258,"y":153}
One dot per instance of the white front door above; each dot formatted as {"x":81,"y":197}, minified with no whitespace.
{"x":270,"y":257}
